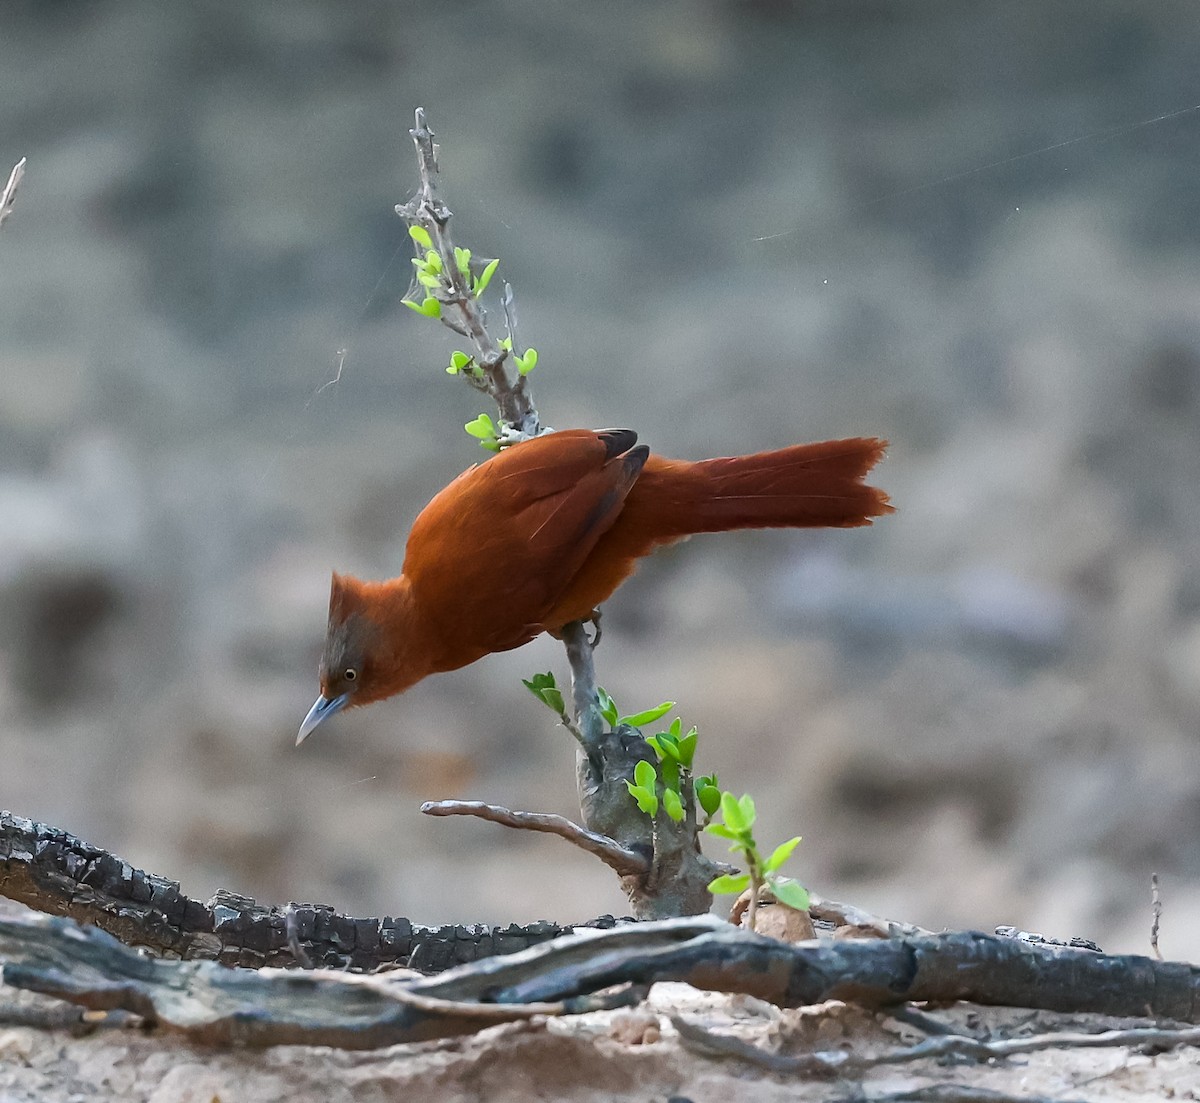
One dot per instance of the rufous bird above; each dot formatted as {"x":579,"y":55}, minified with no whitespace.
{"x":544,"y":532}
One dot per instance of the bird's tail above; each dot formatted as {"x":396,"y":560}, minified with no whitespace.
{"x":804,"y":486}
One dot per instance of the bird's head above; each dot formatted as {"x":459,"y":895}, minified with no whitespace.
{"x":349,"y":669}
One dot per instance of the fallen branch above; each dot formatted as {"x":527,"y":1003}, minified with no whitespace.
{"x":51,"y":871}
{"x":274,"y":1007}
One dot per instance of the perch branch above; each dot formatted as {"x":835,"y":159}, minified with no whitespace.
{"x":583,"y":684}
{"x":622,"y":860}
{"x":10,"y":190}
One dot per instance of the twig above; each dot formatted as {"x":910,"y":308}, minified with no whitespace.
{"x":10,"y":190}
{"x":622,"y":860}
{"x":950,"y":1045}
{"x":461,"y":309}
{"x":1156,"y":907}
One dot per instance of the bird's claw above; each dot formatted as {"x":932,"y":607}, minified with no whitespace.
{"x":594,"y":621}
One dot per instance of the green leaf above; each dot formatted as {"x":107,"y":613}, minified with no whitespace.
{"x":709,"y":797}
{"x":790,"y":892}
{"x":485,"y":277}
{"x":608,"y":707}
{"x":687,"y":747}
{"x":482,"y":427}
{"x":421,"y":236}
{"x":543,"y":688}
{"x":460,"y":361}
{"x":645,"y":775}
{"x":433,"y":261}
{"x":669,"y":769}
{"x":746,"y":807}
{"x":727,"y":884}
{"x":462,"y":260}
{"x":731,"y":813}
{"x":426,"y":280}
{"x":670,"y":746}
{"x":526,"y":363}
{"x":780,"y":855}
{"x":652,"y":740}
{"x":431,"y":308}
{"x":646,"y":800}
{"x":722,"y":832}
{"x":638,"y":719}
{"x":673,"y":805}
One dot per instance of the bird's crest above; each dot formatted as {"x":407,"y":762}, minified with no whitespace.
{"x":347,"y":596}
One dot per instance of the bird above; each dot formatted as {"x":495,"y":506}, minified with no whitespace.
{"x":541,"y":534}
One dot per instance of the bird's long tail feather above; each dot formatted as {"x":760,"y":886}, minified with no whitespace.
{"x":806,"y":485}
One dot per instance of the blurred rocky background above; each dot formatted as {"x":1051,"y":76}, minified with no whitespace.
{"x":973,"y":229}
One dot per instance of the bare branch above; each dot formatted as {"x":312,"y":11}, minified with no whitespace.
{"x":622,"y":860}
{"x":10,"y":190}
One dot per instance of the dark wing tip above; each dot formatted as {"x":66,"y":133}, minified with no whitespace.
{"x":617,"y":441}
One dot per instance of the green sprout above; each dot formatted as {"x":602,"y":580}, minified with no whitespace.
{"x":429,"y":306}
{"x":526,"y":364}
{"x":644,"y":788}
{"x":610,"y":712}
{"x":484,"y":429}
{"x":544,"y":688}
{"x":738,"y":816}
{"x":430,"y":273}
{"x":479,"y":286}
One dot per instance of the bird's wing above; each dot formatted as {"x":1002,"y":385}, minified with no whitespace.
{"x":504,"y":540}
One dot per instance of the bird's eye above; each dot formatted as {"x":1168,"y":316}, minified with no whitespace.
{"x":350,"y":674}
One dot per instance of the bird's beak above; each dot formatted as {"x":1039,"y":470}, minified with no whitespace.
{"x":323,"y":708}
